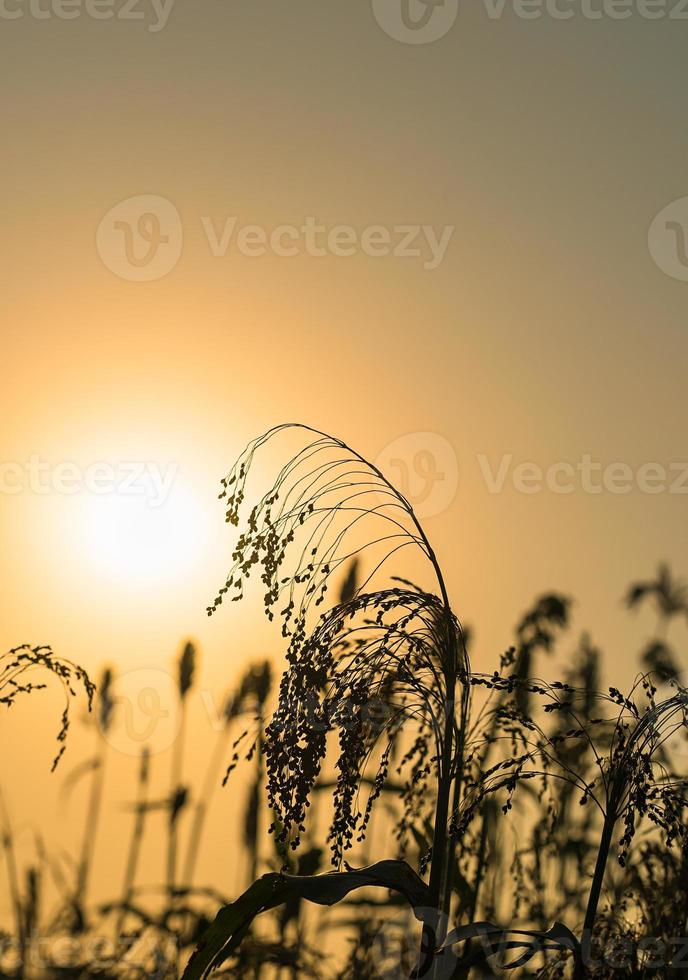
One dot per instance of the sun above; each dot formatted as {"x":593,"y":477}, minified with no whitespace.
{"x":142,"y":539}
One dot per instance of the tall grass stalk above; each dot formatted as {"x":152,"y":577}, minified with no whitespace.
{"x":178,"y":793}
{"x":249,"y":700}
{"x":13,"y":877}
{"x":631,"y":790}
{"x":210,"y":781}
{"x":131,"y":867}
{"x":104,"y":717}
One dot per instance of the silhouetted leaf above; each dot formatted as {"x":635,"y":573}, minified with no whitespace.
{"x":494,"y":939}
{"x":233,"y":921}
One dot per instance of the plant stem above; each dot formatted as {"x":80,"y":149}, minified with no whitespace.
{"x":254,"y":797}
{"x":440,"y":873}
{"x":135,"y":844}
{"x":456,"y":801}
{"x":13,"y":879}
{"x":480,"y":874}
{"x":90,"y":828}
{"x":175,"y":786}
{"x":596,"y":888}
{"x":212,"y":776}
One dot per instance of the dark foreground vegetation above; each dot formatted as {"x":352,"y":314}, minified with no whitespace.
{"x":404,"y":815}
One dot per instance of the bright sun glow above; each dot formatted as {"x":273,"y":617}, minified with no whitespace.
{"x":133,"y":540}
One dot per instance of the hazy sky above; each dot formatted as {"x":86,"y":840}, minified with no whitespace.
{"x":525,"y":159}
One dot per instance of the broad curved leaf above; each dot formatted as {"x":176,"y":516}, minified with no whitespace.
{"x":233,"y":921}
{"x":558,"y":933}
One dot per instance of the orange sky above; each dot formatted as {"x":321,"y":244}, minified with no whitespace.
{"x":546,"y":332}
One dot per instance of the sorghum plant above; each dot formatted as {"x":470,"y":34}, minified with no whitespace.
{"x":385,"y":662}
{"x":632,"y":783}
{"x":380,"y":681}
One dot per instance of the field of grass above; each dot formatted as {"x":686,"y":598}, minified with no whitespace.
{"x":403,"y":815}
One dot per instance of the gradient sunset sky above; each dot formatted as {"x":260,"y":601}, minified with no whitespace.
{"x":548,"y":331}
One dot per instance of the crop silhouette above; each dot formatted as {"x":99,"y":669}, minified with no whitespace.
{"x":367,"y":669}
{"x":669,"y":597}
{"x":474,"y":822}
{"x":134,"y":851}
{"x":104,"y":709}
{"x":19,"y":666}
{"x":186,"y":669}
{"x":385,"y":672}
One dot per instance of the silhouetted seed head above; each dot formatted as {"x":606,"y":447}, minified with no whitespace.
{"x":253,"y":692}
{"x":15,"y":667}
{"x":669,"y":595}
{"x":350,"y":583}
{"x":539,"y":627}
{"x":187,"y":667}
{"x":362,"y":670}
{"x":633,"y":781}
{"x":659,"y":659}
{"x":106,"y":703}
